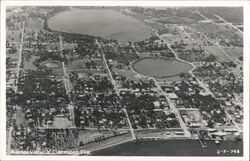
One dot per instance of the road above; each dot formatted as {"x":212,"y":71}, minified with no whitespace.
{"x":116,"y":89}
{"x":67,"y":83}
{"x":173,"y":108}
{"x":20,"y":59}
{"x":201,"y":84}
{"x":189,"y":109}
{"x":216,"y":43}
{"x":204,"y":86}
{"x":175,"y":54}
{"x":133,"y":46}
{"x":107,"y":146}
{"x":228,"y":56}
{"x":68,"y":86}
{"x":201,"y":15}
{"x":230,"y":24}
{"x":9,"y":140}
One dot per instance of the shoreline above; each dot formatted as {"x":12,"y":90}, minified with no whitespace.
{"x":49,"y":16}
{"x":161,"y":77}
{"x":133,"y":68}
{"x":185,"y":147}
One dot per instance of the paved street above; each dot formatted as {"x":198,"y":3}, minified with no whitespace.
{"x":19,"y":59}
{"x":116,"y":90}
{"x":230,"y":24}
{"x":173,"y":108}
{"x":207,"y":90}
{"x":9,"y":139}
{"x":68,"y":86}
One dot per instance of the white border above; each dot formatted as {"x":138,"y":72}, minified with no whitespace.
{"x":5,"y":3}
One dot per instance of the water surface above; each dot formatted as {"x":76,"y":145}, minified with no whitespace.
{"x":159,"y":67}
{"x":174,"y":148}
{"x":104,"y":22}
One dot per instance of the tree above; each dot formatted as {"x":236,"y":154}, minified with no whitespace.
{"x":210,"y":123}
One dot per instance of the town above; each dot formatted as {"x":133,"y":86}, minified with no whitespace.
{"x":70,"y":91}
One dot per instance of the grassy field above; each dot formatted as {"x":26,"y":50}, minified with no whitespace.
{"x":28,"y":64}
{"x":20,"y":117}
{"x":218,"y":53}
{"x":214,"y":31}
{"x":170,"y":79}
{"x":81,"y":64}
{"x":232,"y":14}
{"x":209,"y":15}
{"x":77,"y":64}
{"x":58,"y":66}
{"x":14,"y":35}
{"x":181,"y":36}
{"x":127,"y":73}
{"x":61,"y":122}
{"x":34,"y":24}
{"x":234,"y":52}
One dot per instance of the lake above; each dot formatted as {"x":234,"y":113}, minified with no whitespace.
{"x":174,"y":148}
{"x":161,"y":67}
{"x":104,"y":23}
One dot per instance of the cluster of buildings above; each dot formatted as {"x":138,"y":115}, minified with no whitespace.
{"x":48,"y":104}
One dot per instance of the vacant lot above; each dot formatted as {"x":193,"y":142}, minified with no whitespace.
{"x":218,"y":53}
{"x":209,"y":15}
{"x":20,"y":117}
{"x":61,"y":122}
{"x":235,"y":52}
{"x":34,"y":24}
{"x":127,"y":73}
{"x":28,"y":63}
{"x":55,"y":65}
{"x":233,"y":14}
{"x":77,"y":64}
{"x":14,"y":35}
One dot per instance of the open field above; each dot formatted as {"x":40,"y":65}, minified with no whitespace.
{"x":28,"y":64}
{"x":209,"y":15}
{"x":61,"y":122}
{"x":233,"y":14}
{"x":14,"y":35}
{"x":20,"y":118}
{"x":234,"y":52}
{"x":77,"y":64}
{"x":55,"y":65}
{"x":217,"y":53}
{"x":127,"y":73}
{"x":35,"y":25}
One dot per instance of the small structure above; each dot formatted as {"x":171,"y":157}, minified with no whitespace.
{"x":156,"y":104}
{"x":195,"y":125}
{"x":173,"y":96}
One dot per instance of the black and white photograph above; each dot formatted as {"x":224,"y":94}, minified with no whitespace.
{"x":108,"y":79}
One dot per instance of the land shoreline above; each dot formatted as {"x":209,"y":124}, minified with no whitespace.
{"x":173,"y":147}
{"x":159,"y":77}
{"x":124,"y":141}
{"x":145,"y":26}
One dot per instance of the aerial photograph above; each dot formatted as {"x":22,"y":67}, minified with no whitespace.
{"x":124,"y":81}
